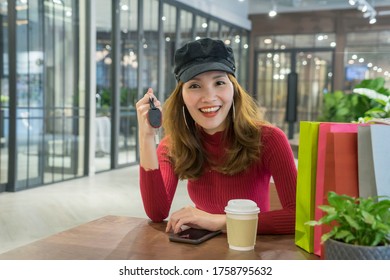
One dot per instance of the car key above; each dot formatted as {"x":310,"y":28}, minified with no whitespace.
{"x":154,"y":114}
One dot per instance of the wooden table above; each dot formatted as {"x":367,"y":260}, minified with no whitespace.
{"x":121,"y":238}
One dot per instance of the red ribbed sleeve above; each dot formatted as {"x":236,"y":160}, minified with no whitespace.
{"x":158,"y":186}
{"x":278,"y":158}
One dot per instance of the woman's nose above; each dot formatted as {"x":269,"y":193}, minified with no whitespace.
{"x":208,"y":95}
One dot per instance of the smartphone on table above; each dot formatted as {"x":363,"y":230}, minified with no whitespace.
{"x":193,"y":235}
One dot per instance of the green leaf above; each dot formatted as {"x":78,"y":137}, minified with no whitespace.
{"x":375,"y":110}
{"x":342,"y":234}
{"x":329,"y":218}
{"x":342,"y":112}
{"x":377,"y":239}
{"x":380,"y":226}
{"x":328,"y":209}
{"x":362,"y":221}
{"x":349,"y":239}
{"x":352,"y":222}
{"x":326,"y":236}
{"x":368,"y":218}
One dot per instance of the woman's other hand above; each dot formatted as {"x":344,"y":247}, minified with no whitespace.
{"x":195,"y":218}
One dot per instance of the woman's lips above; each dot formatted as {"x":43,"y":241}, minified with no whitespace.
{"x":207,"y":110}
{"x":210,"y":112}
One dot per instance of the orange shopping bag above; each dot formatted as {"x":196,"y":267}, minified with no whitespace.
{"x":340,"y":174}
{"x":324,"y":129}
{"x":341,"y":164}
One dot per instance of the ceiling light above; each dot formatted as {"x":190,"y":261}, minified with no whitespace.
{"x":366,"y":8}
{"x":272,"y":13}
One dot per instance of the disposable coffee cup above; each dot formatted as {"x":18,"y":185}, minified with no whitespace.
{"x":241,"y":224}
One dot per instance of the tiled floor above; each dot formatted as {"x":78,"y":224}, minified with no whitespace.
{"x":30,"y":215}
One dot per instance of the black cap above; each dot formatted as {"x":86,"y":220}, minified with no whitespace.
{"x":203,"y":55}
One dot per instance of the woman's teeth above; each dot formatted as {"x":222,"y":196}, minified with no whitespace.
{"x":209,"y":110}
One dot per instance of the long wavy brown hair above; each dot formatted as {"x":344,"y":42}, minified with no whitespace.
{"x":185,"y":147}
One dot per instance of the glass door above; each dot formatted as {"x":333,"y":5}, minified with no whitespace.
{"x":104,"y":60}
{"x":45,"y":113}
{"x":4,"y":99}
{"x":290,"y":84}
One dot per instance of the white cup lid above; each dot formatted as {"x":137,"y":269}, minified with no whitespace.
{"x":242,"y":206}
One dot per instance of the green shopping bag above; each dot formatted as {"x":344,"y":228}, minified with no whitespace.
{"x":306,"y":184}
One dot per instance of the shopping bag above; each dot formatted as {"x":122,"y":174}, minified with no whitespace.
{"x":323,"y":131}
{"x":341,"y":164}
{"x":374,"y":160}
{"x":366,"y":174}
{"x":306,"y":180}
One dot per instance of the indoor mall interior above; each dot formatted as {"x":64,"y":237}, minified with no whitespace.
{"x":72,"y":71}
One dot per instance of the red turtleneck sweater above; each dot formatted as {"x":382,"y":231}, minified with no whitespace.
{"x":213,"y":190}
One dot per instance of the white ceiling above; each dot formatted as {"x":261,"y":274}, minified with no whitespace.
{"x":237,"y":8}
{"x":283,"y":6}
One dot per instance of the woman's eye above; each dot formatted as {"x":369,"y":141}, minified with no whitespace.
{"x":194,"y":86}
{"x":219,"y":83}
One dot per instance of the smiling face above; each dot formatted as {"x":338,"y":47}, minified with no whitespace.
{"x":208,"y":98}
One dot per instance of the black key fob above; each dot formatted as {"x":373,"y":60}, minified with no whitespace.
{"x":154,"y":115}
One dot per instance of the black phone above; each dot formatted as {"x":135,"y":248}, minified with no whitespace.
{"x":193,"y":235}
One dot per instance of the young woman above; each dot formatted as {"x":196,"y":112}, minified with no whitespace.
{"x":215,"y":139}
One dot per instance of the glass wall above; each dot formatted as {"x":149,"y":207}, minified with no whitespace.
{"x":104,"y":64}
{"x":4,"y":95}
{"x":243,"y":71}
{"x":201,"y":27}
{"x":169,"y":35}
{"x":29,"y":99}
{"x":308,"y":59}
{"x":41,"y":139}
{"x":214,"y":29}
{"x":186,"y":30}
{"x":128,"y":82}
{"x":56,"y":91}
{"x":150,"y":45}
{"x":51,"y":75}
{"x":366,"y":57}
{"x":44,"y":115}
{"x":312,"y":57}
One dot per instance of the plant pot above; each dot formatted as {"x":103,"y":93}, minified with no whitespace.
{"x":336,"y":250}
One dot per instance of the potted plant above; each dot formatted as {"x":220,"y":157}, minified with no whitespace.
{"x":343,"y":107}
{"x":360,"y":227}
{"x":369,"y":99}
{"x":378,"y":95}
